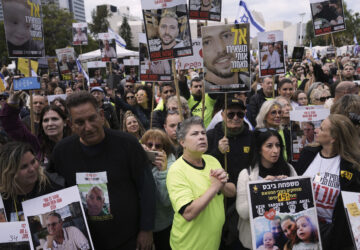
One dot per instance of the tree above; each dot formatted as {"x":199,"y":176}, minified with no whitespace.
{"x":125,"y":33}
{"x":100,"y":21}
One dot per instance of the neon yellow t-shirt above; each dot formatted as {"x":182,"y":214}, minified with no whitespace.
{"x":281,"y":133}
{"x":185,"y":184}
{"x":209,"y":108}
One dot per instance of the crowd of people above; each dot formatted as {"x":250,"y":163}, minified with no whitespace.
{"x":177,"y":171}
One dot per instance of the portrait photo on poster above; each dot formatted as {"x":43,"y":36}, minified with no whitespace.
{"x":79,"y":31}
{"x":66,"y":61}
{"x":205,"y":9}
{"x":271,"y":53}
{"x":23,"y":28}
{"x":327,"y":16}
{"x":298,"y":54}
{"x":107,"y":46}
{"x":226,"y":57}
{"x":167,"y":29}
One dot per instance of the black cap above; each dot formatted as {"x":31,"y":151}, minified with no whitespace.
{"x":232,"y":102}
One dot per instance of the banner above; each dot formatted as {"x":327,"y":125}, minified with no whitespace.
{"x":79,"y":31}
{"x":152,"y":71}
{"x":205,"y":10}
{"x":226,"y":54}
{"x":23,"y":28}
{"x":23,"y":66}
{"x":327,"y":16}
{"x":56,"y":212}
{"x":14,"y":236}
{"x":67,"y":63}
{"x":167,"y":29}
{"x":283,"y":214}
{"x":26,"y":83}
{"x":351,"y":202}
{"x":195,"y":61}
{"x":107,"y":46}
{"x":303,"y":123}
{"x":271,"y":53}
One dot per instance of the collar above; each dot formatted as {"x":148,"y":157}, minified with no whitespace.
{"x":66,"y":238}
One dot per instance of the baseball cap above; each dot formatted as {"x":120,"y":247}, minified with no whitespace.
{"x":96,"y":89}
{"x":232,"y":102}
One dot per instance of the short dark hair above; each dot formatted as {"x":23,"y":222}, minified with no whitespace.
{"x":54,"y":214}
{"x":195,"y":79}
{"x":283,"y":81}
{"x":80,"y":97}
{"x":166,"y":84}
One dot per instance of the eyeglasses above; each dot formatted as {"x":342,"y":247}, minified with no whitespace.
{"x":323,"y":99}
{"x":130,"y":97}
{"x":169,"y":92}
{"x":52,"y":224}
{"x":276,"y":112}
{"x":128,"y":86}
{"x":151,"y":145}
{"x":231,"y":115}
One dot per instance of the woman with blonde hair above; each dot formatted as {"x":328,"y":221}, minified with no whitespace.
{"x":334,"y":166}
{"x":132,"y":125}
{"x":22,"y":178}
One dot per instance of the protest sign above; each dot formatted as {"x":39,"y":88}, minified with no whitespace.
{"x":226,"y":54}
{"x":167,"y":29}
{"x":79,"y":31}
{"x":107,"y":46}
{"x":196,"y":60}
{"x":23,"y":66}
{"x":298,"y":54}
{"x":51,"y":98}
{"x":327,"y":16}
{"x":351,"y":202}
{"x":131,"y":62}
{"x":287,"y":202}
{"x":14,"y":236}
{"x":53,"y":66}
{"x":97,"y":72}
{"x":58,"y":211}
{"x":303,"y":123}
{"x":205,"y":9}
{"x":26,"y":83}
{"x":67,"y":63}
{"x":23,"y":28}
{"x":152,"y":71}
{"x":2,"y":211}
{"x":271,"y":53}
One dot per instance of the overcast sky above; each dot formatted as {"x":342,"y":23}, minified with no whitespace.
{"x":272,"y":10}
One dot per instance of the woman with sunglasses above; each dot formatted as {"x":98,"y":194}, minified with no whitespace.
{"x":197,"y":184}
{"x":270,"y":116}
{"x":319,"y":96}
{"x":333,"y":163}
{"x":132,"y":125}
{"x":268,"y":163}
{"x":22,"y":178}
{"x":155,"y":140}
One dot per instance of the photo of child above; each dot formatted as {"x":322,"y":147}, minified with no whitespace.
{"x":268,"y":242}
{"x":306,"y":234}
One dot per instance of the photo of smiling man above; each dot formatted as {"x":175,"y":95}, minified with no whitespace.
{"x":205,"y":9}
{"x":226,"y":57}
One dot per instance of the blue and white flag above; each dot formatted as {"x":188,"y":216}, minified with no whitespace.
{"x":313,"y":52}
{"x":245,"y":16}
{"x":355,"y":40}
{"x":80,"y":69}
{"x":118,"y":39}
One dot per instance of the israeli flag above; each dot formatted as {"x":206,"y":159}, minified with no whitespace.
{"x":245,"y":16}
{"x":355,"y":40}
{"x":80,"y":69}
{"x":118,"y":39}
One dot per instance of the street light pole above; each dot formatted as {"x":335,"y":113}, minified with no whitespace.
{"x":301,"y":29}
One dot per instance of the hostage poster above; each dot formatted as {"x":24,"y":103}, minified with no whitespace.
{"x":152,"y":70}
{"x":351,"y":202}
{"x":14,"y":236}
{"x":167,"y":28}
{"x":303,"y":123}
{"x":271,"y":56}
{"x":205,"y":10}
{"x":79,"y":33}
{"x":66,"y":61}
{"x":226,"y":56}
{"x":283,"y":214}
{"x":195,"y":61}
{"x":48,"y":216}
{"x":327,"y":16}
{"x":23,"y":28}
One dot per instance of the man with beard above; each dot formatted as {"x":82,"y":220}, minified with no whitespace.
{"x":216,"y":59}
{"x":169,"y":31}
{"x":205,"y":5}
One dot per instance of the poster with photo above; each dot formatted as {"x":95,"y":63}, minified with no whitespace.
{"x":351,"y":202}
{"x":66,"y":61}
{"x":2,"y":211}
{"x":327,"y":16}
{"x":107,"y":46}
{"x":205,"y":10}
{"x":298,"y":54}
{"x":51,"y":216}
{"x":286,"y":50}
{"x":167,"y":29}
{"x":152,"y":70}
{"x":303,"y":123}
{"x":226,"y":56}
{"x":94,"y":195}
{"x":196,"y":60}
{"x":53,"y":66}
{"x":280,"y":213}
{"x":271,"y":53}
{"x":23,"y":28}
{"x":97,"y":73}
{"x":79,"y":31}
{"x":14,"y":236}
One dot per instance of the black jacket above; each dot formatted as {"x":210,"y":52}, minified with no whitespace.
{"x":337,"y":234}
{"x":158,"y":118}
{"x":254,"y":106}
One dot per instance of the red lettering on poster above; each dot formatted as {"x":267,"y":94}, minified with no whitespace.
{"x":204,"y":14}
{"x":193,"y":13}
{"x":167,"y":53}
{"x":51,"y":201}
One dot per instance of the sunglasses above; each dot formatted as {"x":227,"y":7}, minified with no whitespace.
{"x":128,"y":86}
{"x":231,"y":115}
{"x":262,"y":130}
{"x":151,"y":145}
{"x":276,"y":112}
{"x":169,"y":92}
{"x":130,"y":97}
{"x":323,"y":99}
